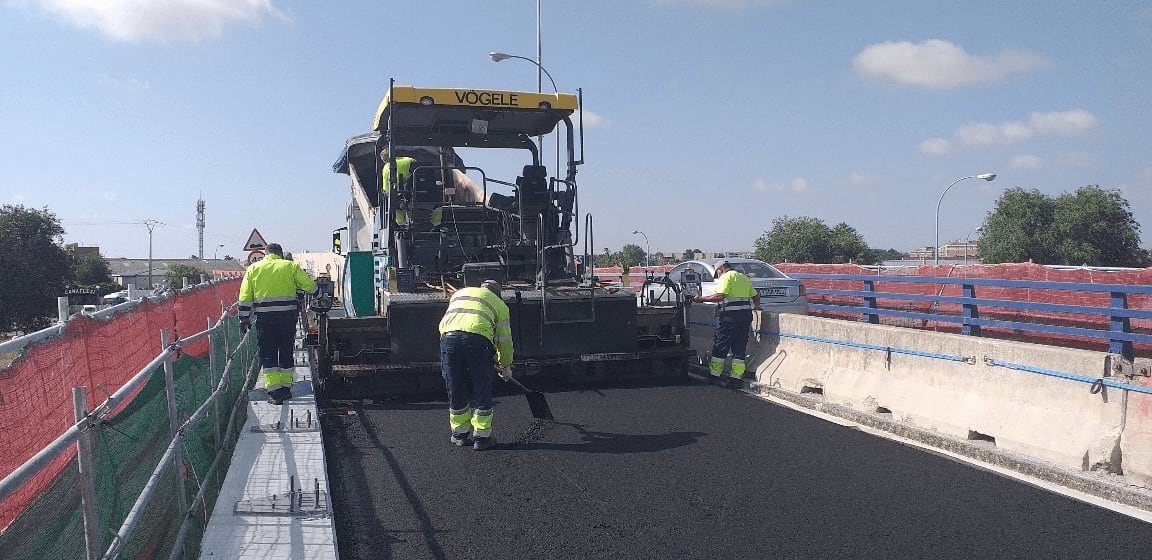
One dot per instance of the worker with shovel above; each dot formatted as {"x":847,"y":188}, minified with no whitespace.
{"x":475,"y":332}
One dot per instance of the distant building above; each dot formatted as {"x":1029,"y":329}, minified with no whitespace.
{"x":959,"y":249}
{"x":134,"y":272}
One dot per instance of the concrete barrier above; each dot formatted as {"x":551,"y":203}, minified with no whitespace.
{"x":958,"y":386}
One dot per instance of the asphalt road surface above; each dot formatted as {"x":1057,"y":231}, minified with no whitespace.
{"x":682,"y":471}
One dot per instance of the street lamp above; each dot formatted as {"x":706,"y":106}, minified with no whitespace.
{"x":499,"y":56}
{"x":647,"y":248}
{"x":216,"y":252}
{"x":984,"y":176}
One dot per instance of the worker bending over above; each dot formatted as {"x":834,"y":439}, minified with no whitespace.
{"x":475,"y":334}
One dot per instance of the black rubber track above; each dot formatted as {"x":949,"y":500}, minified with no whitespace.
{"x":682,"y":471}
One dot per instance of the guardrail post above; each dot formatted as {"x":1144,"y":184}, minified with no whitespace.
{"x":212,"y":377}
{"x":173,"y":422}
{"x":971,"y":311}
{"x":92,"y":543}
{"x":870,"y":303}
{"x":1119,"y":300}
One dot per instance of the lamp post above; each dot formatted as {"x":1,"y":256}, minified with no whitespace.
{"x":216,"y":251}
{"x":936,"y":249}
{"x":499,"y":56}
{"x":647,"y":248}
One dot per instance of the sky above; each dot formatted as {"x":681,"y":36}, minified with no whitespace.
{"x":704,"y":120}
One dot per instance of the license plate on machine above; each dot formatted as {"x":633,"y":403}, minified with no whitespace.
{"x":773,"y":292}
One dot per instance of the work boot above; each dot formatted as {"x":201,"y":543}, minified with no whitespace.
{"x":483,"y":443}
{"x":459,"y":440}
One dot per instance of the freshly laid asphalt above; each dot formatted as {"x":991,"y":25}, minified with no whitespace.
{"x":682,"y":471}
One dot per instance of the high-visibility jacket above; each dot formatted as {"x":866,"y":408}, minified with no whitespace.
{"x":479,"y":311}
{"x":737,"y":289}
{"x":270,"y":285}
{"x":403,"y":172}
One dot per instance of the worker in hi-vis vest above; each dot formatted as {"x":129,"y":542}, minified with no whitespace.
{"x":403,"y":173}
{"x":268,"y":294}
{"x":737,"y":299}
{"x":475,"y":335}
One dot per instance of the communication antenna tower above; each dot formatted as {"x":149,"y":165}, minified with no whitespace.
{"x":200,"y":224}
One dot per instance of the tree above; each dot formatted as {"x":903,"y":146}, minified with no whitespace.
{"x":632,"y":255}
{"x":690,"y":254}
{"x":91,"y":269}
{"x":1019,"y":228}
{"x":1091,"y":226}
{"x":1095,"y":226}
{"x":881,"y":255}
{"x":178,"y":272}
{"x":35,"y":265}
{"x":808,"y":239}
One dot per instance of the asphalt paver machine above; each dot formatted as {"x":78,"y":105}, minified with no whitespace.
{"x":412,"y":238}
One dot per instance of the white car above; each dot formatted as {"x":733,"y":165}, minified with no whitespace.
{"x":779,"y":293}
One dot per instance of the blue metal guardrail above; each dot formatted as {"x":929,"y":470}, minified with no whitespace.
{"x":1119,"y":334}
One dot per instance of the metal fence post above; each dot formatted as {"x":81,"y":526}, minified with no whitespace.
{"x":1119,"y":300}
{"x":212,"y":377}
{"x":173,"y":422}
{"x":92,"y":542}
{"x":870,"y":303}
{"x":971,"y":311}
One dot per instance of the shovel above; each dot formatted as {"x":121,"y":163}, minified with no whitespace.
{"x":537,"y":403}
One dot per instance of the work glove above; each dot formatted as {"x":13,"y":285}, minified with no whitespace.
{"x":502,"y":372}
{"x":244,"y":326}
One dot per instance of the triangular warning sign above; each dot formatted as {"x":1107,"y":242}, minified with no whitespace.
{"x":255,"y":241}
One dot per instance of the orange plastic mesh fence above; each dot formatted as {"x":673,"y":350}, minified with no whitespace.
{"x":36,"y":389}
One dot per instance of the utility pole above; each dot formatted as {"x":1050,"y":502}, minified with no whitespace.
{"x":151,"y":225}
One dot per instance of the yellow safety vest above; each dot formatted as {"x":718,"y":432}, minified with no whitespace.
{"x":737,"y":289}
{"x":271,"y":284}
{"x":479,"y":311}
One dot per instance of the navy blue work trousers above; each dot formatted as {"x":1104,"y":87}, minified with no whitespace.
{"x":732,"y":334}
{"x":276,"y":338}
{"x":467,"y":362}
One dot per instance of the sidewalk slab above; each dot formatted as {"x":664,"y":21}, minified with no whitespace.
{"x":257,"y":516}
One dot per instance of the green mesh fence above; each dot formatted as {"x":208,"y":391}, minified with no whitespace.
{"x":128,"y":445}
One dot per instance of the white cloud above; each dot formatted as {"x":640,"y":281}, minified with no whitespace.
{"x":984,"y":134}
{"x":1068,"y":123}
{"x":591,"y":120}
{"x":862,"y":180}
{"x":109,"y":196}
{"x":938,"y":64}
{"x":1027,"y":162}
{"x":171,"y":20}
{"x":936,"y":147}
{"x":798,"y":184}
{"x":1059,"y":123}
